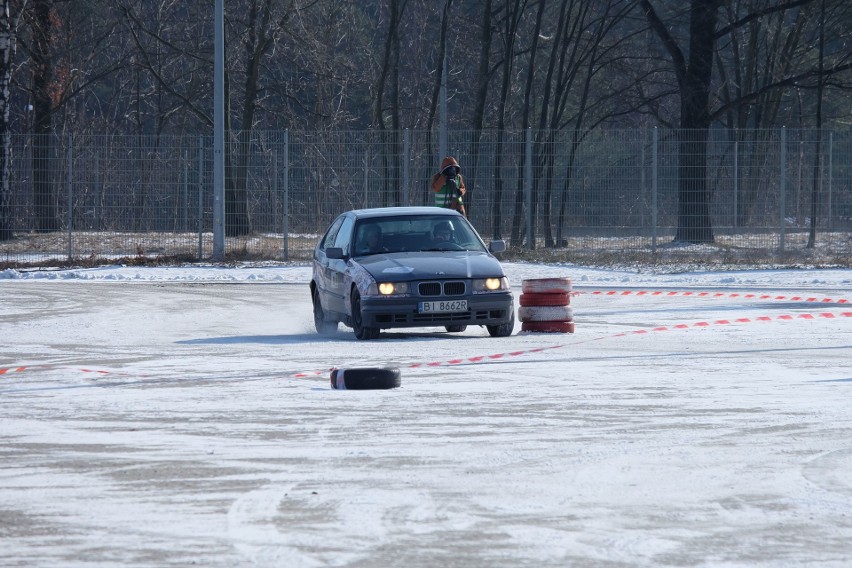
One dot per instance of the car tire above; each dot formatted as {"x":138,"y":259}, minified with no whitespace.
{"x":455,"y":328}
{"x":361,"y":332}
{"x":502,"y":330}
{"x":548,"y":326}
{"x":546,"y":286}
{"x":365,"y":379}
{"x":323,"y":326}
{"x":545,"y":313}
{"x":545,"y":299}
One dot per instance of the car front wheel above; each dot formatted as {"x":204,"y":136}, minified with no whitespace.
{"x":361,"y":332}
{"x":502,"y":330}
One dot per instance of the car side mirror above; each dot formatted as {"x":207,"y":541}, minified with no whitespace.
{"x":335,"y":253}
{"x":497,"y":246}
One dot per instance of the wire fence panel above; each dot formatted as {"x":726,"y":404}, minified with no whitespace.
{"x":605,"y":194}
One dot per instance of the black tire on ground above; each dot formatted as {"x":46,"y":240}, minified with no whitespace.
{"x":323,"y":326}
{"x":502,"y":330}
{"x":361,"y":332}
{"x":365,"y":379}
{"x":455,"y":328}
{"x":542,"y":299}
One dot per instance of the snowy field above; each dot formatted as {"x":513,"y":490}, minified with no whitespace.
{"x":183,"y":416}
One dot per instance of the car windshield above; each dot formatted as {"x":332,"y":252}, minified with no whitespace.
{"x":415,"y":233}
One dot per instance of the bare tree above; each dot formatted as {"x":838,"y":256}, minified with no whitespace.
{"x":42,"y":19}
{"x":583,"y":41}
{"x":440,"y":60}
{"x":482,"y":81}
{"x":388,"y":107}
{"x":694,"y":74}
{"x":526,"y":114}
{"x":755,"y":57}
{"x":510,"y":20}
{"x":7,"y":56}
{"x":261,"y":30}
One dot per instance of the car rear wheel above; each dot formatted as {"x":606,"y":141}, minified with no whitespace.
{"x":361,"y":332}
{"x":324,"y":327}
{"x":502,"y":330}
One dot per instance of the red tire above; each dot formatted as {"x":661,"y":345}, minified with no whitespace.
{"x":548,"y":326}
{"x":541,"y":299}
{"x":545,"y":313}
{"x":546,"y":286}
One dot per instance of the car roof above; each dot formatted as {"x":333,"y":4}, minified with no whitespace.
{"x":403,"y":211}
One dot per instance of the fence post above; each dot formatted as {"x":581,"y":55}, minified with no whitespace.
{"x":184,"y":216}
{"x":286,"y":198}
{"x":830,"y":168}
{"x":219,"y":207}
{"x":654,"y":180}
{"x":643,"y":182}
{"x":366,"y":177}
{"x":736,"y":176}
{"x":528,"y":173}
{"x":98,"y":217}
{"x":406,"y":163}
{"x":782,"y":198}
{"x":200,"y":222}
{"x":69,"y":215}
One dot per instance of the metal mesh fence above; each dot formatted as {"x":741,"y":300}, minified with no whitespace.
{"x":574,"y":195}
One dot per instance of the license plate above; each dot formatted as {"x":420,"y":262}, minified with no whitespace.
{"x":443,"y":306}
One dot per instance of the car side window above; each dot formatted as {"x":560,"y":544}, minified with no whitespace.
{"x":331,"y":234}
{"x":344,"y":236}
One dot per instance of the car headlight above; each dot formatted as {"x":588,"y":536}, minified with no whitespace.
{"x":393,"y":288}
{"x":491,"y":284}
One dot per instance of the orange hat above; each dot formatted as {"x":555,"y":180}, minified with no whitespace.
{"x":450,"y":161}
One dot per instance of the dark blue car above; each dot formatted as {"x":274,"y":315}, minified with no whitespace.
{"x":402,"y":267}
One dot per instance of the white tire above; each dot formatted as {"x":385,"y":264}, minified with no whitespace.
{"x":546,"y":286}
{"x":545,"y":313}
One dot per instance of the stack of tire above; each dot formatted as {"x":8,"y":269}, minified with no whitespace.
{"x":545,"y":305}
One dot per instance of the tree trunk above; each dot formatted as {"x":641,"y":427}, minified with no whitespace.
{"x":237,"y":222}
{"x":515,"y":234}
{"x":478,"y":121}
{"x":7,"y":50}
{"x":44,"y":197}
{"x":694,"y":224}
{"x":510,"y":21}
{"x":817,"y":179}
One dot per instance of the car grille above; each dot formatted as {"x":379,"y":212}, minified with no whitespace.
{"x":451,"y":288}
{"x":439,"y":318}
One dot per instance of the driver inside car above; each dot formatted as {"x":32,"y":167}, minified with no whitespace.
{"x":371,"y":238}
{"x":442,"y":232}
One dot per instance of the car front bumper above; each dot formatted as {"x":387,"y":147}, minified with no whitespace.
{"x":483,"y":309}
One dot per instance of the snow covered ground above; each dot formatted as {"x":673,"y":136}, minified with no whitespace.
{"x":177,"y":416}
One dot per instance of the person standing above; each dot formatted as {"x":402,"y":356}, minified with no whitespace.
{"x":448,"y":186}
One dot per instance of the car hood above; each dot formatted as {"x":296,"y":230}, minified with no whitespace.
{"x":402,"y":266}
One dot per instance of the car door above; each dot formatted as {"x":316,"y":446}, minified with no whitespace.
{"x":323,"y":272}
{"x":337,"y":267}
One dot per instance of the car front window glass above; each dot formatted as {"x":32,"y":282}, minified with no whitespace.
{"x":416,"y":233}
{"x":344,"y":236}
{"x":331,"y":234}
